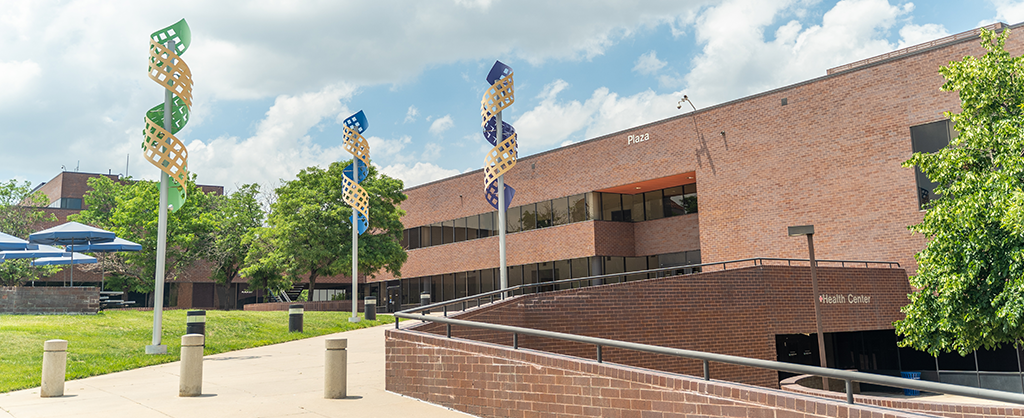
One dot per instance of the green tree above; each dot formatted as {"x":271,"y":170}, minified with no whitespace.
{"x":263,"y":267}
{"x":970,"y":278}
{"x":310,"y":226}
{"x":20,"y":215}
{"x":129,"y":209}
{"x":236,"y":216}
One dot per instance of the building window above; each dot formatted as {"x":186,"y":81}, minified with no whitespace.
{"x":67,"y":203}
{"x":929,"y":138}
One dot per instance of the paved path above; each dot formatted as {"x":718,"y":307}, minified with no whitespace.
{"x":281,"y":380}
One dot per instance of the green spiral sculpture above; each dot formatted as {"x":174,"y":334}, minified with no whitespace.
{"x":161,"y":148}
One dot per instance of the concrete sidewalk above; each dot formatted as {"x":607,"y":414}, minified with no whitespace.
{"x":273,"y":381}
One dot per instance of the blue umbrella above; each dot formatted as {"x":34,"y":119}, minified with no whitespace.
{"x":116,"y":245}
{"x":71,"y":234}
{"x":75,"y":258}
{"x":40,"y":251}
{"x":10,"y":242}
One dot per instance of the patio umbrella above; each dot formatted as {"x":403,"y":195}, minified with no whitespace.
{"x":40,"y":251}
{"x":75,"y":258}
{"x":117,"y":245}
{"x":10,"y":242}
{"x":71,"y":234}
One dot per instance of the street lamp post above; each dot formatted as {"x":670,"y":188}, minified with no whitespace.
{"x":808,"y":230}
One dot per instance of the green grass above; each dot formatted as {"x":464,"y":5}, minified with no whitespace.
{"x":113,"y":341}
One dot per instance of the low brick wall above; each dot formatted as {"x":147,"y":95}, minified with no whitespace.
{"x":951,"y":410}
{"x":489,"y":380}
{"x":333,"y":305}
{"x":21,"y":300}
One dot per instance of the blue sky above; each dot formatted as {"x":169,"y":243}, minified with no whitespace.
{"x":273,"y":80}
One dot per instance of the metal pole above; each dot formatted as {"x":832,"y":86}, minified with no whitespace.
{"x":72,"y":247}
{"x":161,"y":239}
{"x":817,"y":310}
{"x":501,"y":216}
{"x":355,"y":248}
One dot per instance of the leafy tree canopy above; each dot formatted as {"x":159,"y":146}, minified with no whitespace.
{"x":310,"y":228}
{"x":20,"y":215}
{"x":970,"y":276}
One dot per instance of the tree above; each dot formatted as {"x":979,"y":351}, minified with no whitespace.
{"x":970,"y":278}
{"x":310,"y":227}
{"x":236,"y":216}
{"x":263,"y":266}
{"x":20,"y":215}
{"x":129,"y":209}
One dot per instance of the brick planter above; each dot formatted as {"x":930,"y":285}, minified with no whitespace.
{"x":20,"y":300}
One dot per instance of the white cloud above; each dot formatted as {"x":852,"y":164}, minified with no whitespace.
{"x":417,"y":174}
{"x":738,"y":60}
{"x":441,"y":124}
{"x":388,"y":149}
{"x":281,"y":146}
{"x":648,"y":64}
{"x":19,"y":78}
{"x":918,"y":34}
{"x":1007,"y":11}
{"x":410,"y":115}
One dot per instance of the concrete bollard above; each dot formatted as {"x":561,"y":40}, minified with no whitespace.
{"x":191,"y":377}
{"x":295,"y":318}
{"x":424,"y":301}
{"x":336,"y":369}
{"x":195,"y":322}
{"x":370,"y":309}
{"x":55,"y":361}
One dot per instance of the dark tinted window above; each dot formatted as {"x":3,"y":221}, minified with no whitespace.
{"x":544,"y":214}
{"x":514,"y":219}
{"x":653,"y":205}
{"x":560,"y":211}
{"x":529,"y":216}
{"x":577,"y":208}
{"x":460,"y":229}
{"x":929,"y":138}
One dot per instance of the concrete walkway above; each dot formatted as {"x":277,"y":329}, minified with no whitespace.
{"x":281,"y":380}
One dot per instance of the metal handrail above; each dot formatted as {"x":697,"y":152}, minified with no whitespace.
{"x":511,"y":291}
{"x":847,"y":376}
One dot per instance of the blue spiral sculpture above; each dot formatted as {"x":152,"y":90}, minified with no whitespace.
{"x":352,"y":192}
{"x":503,"y":156}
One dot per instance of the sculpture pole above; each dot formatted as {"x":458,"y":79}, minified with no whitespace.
{"x":502,"y":221}
{"x":503,"y":156}
{"x":355,"y":195}
{"x":162,"y":149}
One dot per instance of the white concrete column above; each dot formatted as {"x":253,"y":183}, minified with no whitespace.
{"x":191,"y":376}
{"x":336,"y":369}
{"x":55,"y":360}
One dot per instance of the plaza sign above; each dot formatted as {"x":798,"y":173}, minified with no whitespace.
{"x":637,"y":138}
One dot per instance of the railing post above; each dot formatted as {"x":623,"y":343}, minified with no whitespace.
{"x":600,"y":358}
{"x":707,"y":370}
{"x":448,"y":330}
{"x":849,"y":391}
{"x":515,"y":341}
{"x":446,"y":311}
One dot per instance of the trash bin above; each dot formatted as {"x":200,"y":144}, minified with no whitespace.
{"x":911,"y":376}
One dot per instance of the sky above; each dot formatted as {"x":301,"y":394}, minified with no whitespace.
{"x":273,"y":80}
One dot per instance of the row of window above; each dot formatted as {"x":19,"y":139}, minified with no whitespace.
{"x":457,"y":285}
{"x":66,"y":203}
{"x":658,"y":204}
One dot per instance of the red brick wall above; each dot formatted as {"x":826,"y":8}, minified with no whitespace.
{"x":491,"y":381}
{"x":736,"y":312}
{"x":49,"y":300}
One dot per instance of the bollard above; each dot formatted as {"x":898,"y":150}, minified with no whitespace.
{"x":336,"y":369}
{"x":295,"y":318}
{"x":190,"y":382}
{"x":370,"y":309}
{"x":424,"y":301}
{"x":195,"y":322}
{"x":55,"y":360}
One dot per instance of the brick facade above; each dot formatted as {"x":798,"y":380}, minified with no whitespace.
{"x":736,"y":312}
{"x":492,"y":381}
{"x":831,"y":157}
{"x":49,"y":300}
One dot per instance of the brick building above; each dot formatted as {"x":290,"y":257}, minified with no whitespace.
{"x":721,"y":183}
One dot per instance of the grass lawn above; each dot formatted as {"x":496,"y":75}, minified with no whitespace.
{"x":113,"y":341}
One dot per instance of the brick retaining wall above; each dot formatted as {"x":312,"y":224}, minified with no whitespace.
{"x":488,"y":380}
{"x":23,"y":300}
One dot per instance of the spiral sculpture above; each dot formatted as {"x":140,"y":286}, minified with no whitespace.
{"x":352,"y":192}
{"x":503,"y":156}
{"x":161,"y":147}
